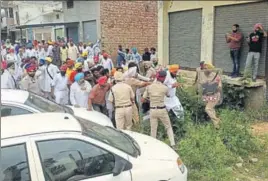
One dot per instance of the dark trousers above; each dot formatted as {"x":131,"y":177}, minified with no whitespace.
{"x":100,"y":108}
{"x":235,"y":55}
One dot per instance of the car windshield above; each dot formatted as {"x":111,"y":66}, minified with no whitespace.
{"x":110,"y":136}
{"x":45,"y":105}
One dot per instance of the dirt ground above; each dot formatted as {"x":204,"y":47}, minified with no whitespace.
{"x":260,"y":128}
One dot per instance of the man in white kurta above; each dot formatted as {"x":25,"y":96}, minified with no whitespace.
{"x":7,"y":79}
{"x":73,"y":52}
{"x":79,"y":91}
{"x":60,"y":87}
{"x":172,"y":102}
{"x":30,"y":81}
{"x":30,"y":52}
{"x":106,"y":62}
{"x":49,"y":72}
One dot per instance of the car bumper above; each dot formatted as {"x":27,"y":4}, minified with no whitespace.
{"x":180,"y":176}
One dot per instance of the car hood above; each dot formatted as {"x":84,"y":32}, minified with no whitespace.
{"x":153,"y":149}
{"x":93,"y":116}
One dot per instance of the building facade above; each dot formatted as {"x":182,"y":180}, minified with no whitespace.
{"x":8,"y":21}
{"x":129,"y":23}
{"x":194,"y":31}
{"x":38,"y":12}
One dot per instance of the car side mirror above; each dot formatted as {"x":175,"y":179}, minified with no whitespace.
{"x":120,"y":166}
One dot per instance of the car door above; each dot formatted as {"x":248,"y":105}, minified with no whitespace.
{"x":17,"y":160}
{"x":65,"y":157}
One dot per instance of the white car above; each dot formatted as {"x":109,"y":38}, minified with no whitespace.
{"x":46,"y":147}
{"x":18,"y":102}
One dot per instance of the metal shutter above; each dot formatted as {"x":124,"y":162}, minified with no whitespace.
{"x":246,"y":15}
{"x":90,"y":31}
{"x":185,"y":28}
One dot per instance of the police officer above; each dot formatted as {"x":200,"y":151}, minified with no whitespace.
{"x":156,"y":93}
{"x":122,"y":96}
{"x":211,"y":96}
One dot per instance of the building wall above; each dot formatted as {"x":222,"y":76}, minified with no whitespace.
{"x":128,"y":23}
{"x":207,"y":25}
{"x":82,"y":11}
{"x":38,"y":12}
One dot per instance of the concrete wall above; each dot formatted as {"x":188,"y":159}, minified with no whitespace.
{"x":82,"y":11}
{"x":165,"y":7}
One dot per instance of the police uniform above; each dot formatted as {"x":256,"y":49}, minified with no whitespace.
{"x":213,"y":99}
{"x":156,"y":93}
{"x":122,"y":96}
{"x":135,"y":84}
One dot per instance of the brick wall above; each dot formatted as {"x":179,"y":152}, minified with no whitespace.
{"x":129,"y":23}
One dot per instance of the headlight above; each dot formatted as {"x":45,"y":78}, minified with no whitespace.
{"x":180,"y":165}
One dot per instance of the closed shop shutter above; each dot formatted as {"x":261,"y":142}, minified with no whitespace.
{"x":90,"y":31}
{"x":185,"y":38}
{"x":246,"y":15}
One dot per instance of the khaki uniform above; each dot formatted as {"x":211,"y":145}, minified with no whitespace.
{"x":151,"y":73}
{"x":211,"y":100}
{"x":135,"y":84}
{"x":30,"y":84}
{"x":156,"y":93}
{"x":121,"y":94}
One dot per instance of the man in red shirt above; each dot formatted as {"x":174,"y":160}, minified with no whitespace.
{"x":234,"y":40}
{"x":97,"y":95}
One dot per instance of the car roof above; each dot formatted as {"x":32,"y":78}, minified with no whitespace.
{"x":14,"y":95}
{"x":29,"y":124}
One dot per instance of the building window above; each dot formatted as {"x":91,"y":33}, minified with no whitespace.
{"x":70,"y":4}
{"x":57,"y":16}
{"x":10,"y":10}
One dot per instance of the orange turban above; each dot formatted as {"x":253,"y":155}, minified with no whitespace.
{"x":113,"y":71}
{"x":173,"y":68}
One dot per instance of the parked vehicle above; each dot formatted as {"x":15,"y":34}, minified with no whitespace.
{"x":18,"y":102}
{"x":47,"y":147}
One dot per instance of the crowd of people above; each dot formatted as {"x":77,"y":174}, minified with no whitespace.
{"x":85,"y":77}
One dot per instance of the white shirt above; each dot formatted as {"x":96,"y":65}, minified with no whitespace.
{"x":169,"y":81}
{"x":78,"y":96}
{"x":42,"y":54}
{"x":72,"y":52}
{"x":30,"y":53}
{"x":60,"y":83}
{"x":7,"y":81}
{"x":153,"y":56}
{"x":107,"y":64}
{"x":47,"y":80}
{"x":11,"y":58}
{"x":49,"y":50}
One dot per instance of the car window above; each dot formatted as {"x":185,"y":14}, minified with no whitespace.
{"x":45,"y":105}
{"x":72,"y":160}
{"x":14,"y":163}
{"x":110,"y":136}
{"x":12,"y":111}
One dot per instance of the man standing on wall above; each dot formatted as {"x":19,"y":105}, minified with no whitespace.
{"x":235,"y":40}
{"x":255,"y":47}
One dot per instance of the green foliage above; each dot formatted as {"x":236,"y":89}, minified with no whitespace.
{"x":208,"y":153}
{"x":205,"y":154}
{"x":192,"y":104}
{"x":259,"y":115}
{"x":234,"y":96}
{"x":236,"y":133}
